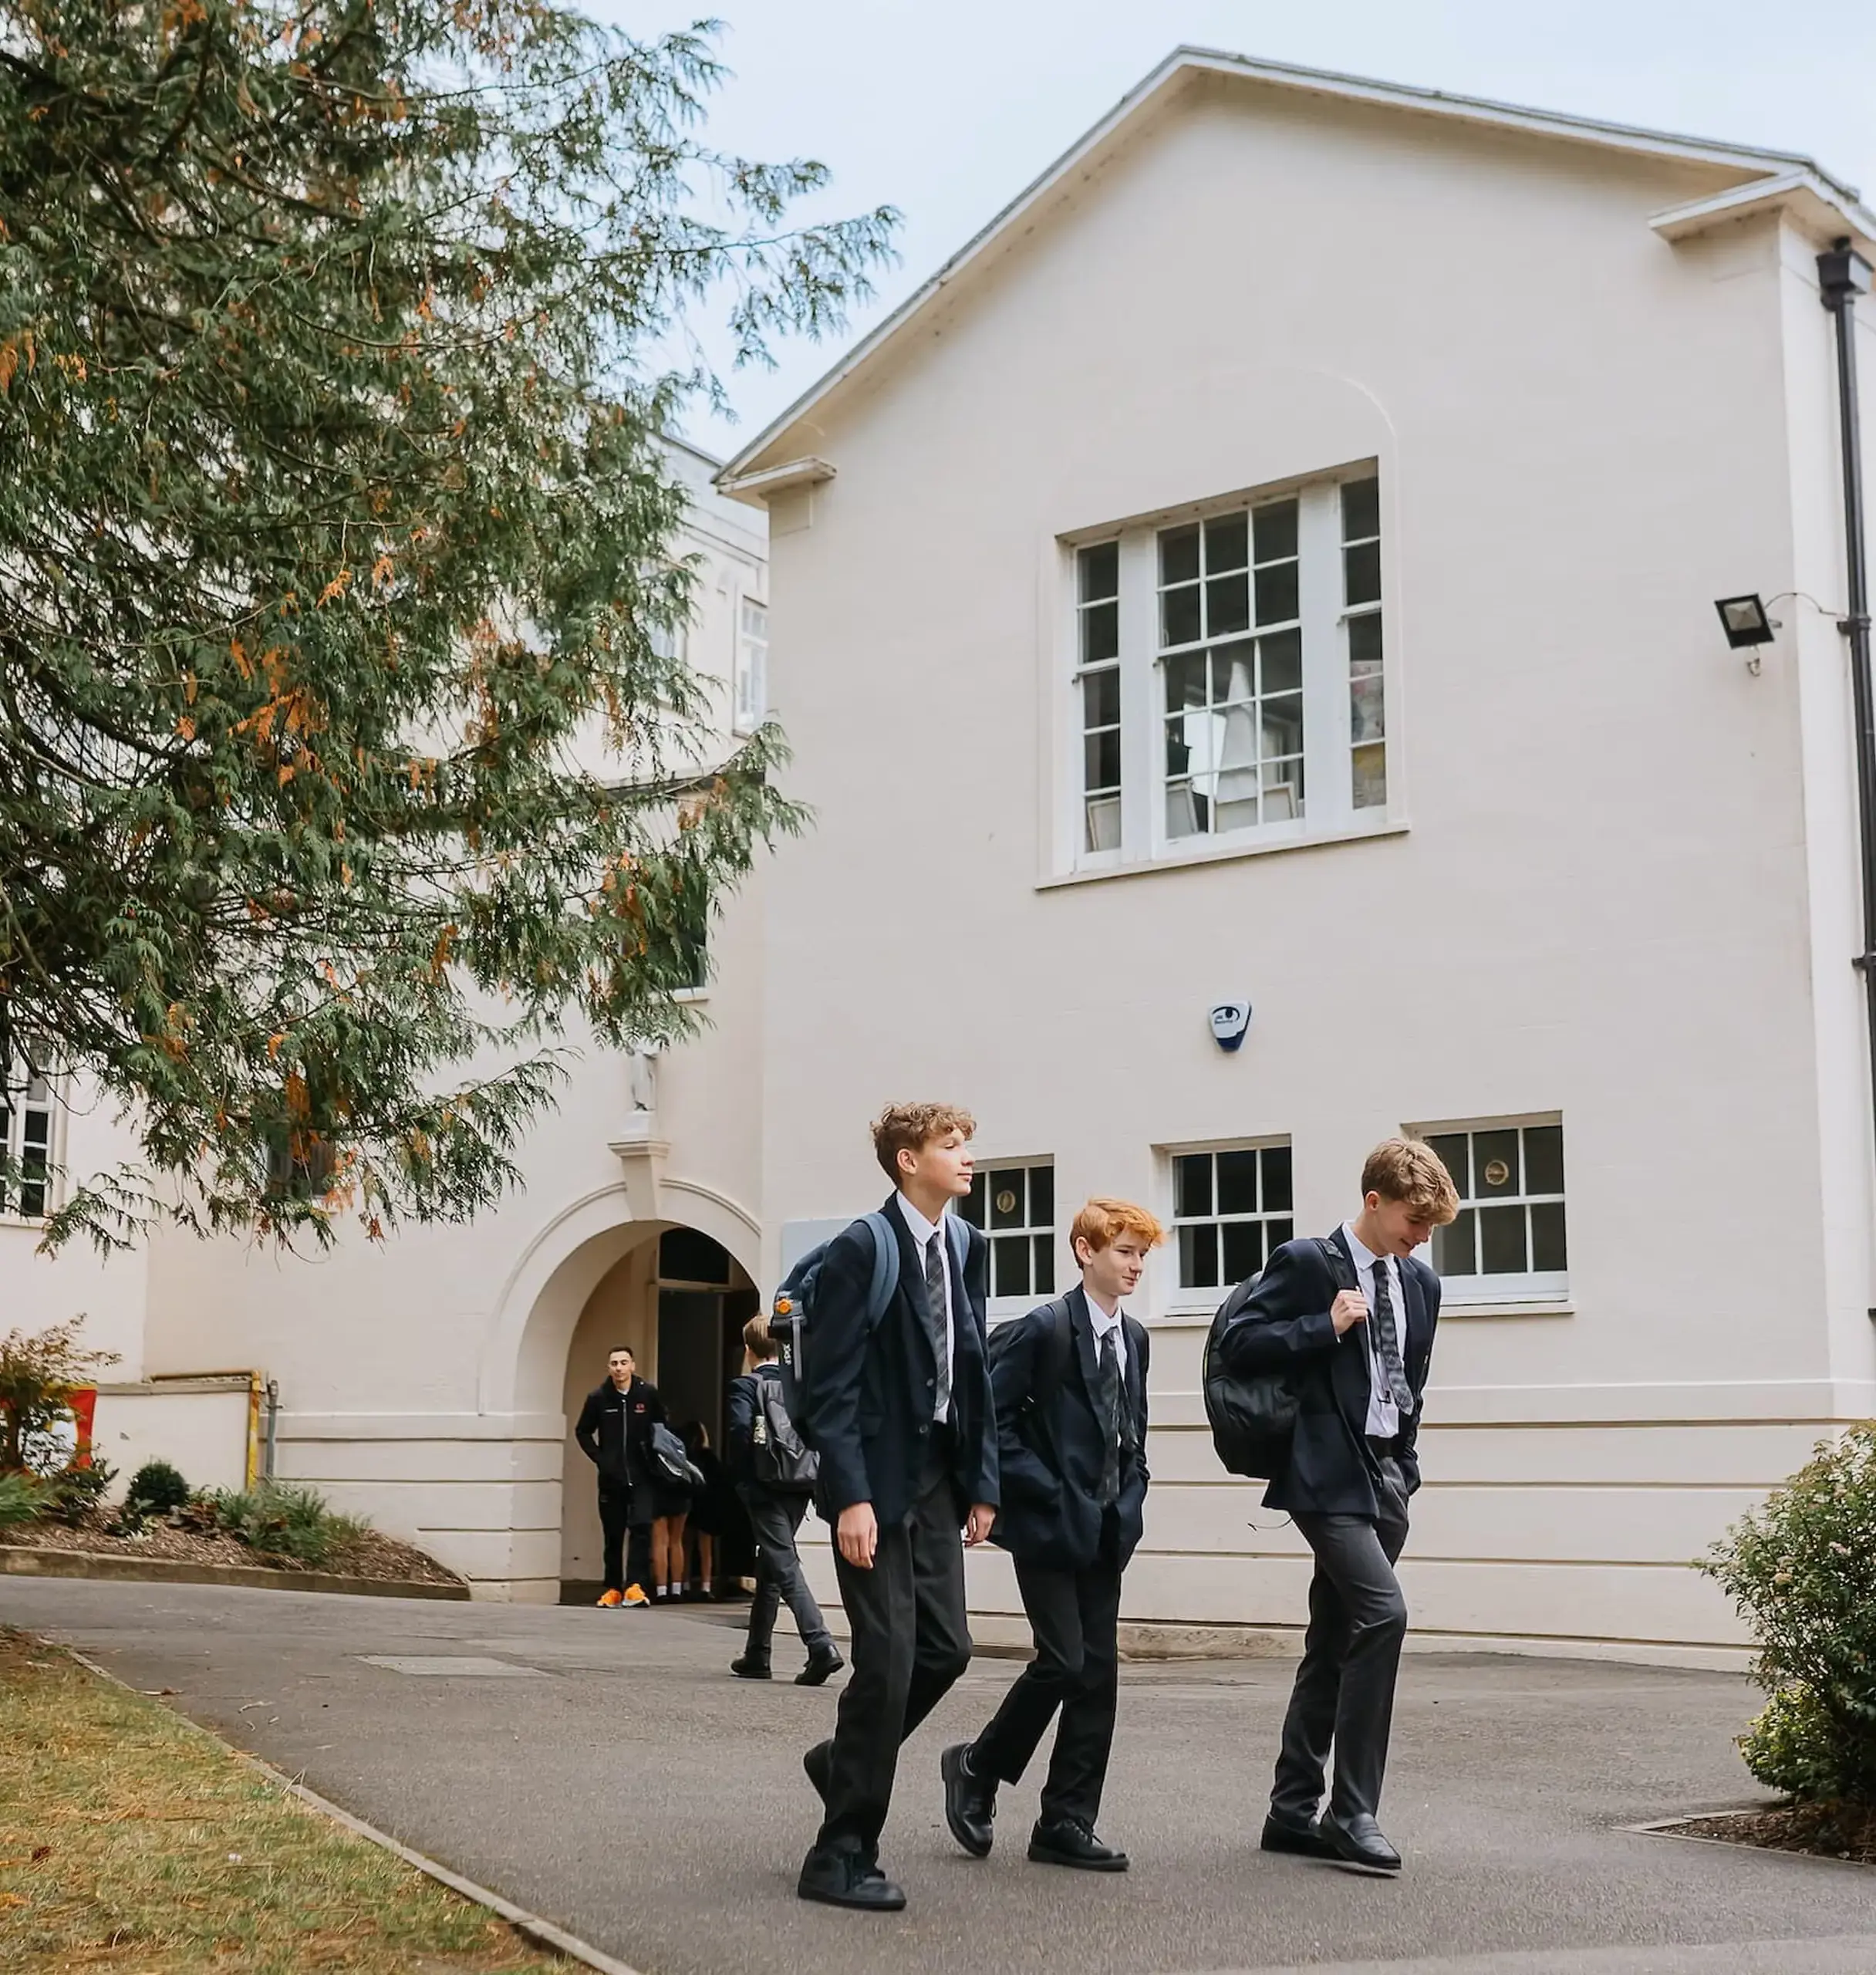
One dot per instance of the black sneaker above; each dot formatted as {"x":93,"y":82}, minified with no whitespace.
{"x":821,"y":1668}
{"x":749,"y":1668}
{"x":845,"y":1875}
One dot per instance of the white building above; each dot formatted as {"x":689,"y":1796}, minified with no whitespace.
{"x":1274,"y":562}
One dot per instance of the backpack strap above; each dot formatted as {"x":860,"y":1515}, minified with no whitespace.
{"x":1061,"y":1347}
{"x":886,"y":1267}
{"x":1336,"y":1263}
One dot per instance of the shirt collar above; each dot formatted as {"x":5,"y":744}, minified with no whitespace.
{"x":1365,"y":1256}
{"x":1099,"y":1318}
{"x":922,"y":1230}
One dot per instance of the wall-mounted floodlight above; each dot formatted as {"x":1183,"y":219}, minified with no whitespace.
{"x":1745,"y":621}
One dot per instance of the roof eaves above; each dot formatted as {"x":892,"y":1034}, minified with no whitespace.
{"x":1813,"y":200}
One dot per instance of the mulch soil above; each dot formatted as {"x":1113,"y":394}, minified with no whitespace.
{"x":372,"y":1555}
{"x":1824,"y":1831}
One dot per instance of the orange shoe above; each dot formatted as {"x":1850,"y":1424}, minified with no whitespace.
{"x":635,"y":1594}
{"x":612,"y":1598}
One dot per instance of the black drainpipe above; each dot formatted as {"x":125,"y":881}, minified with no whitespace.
{"x":1842,"y":276}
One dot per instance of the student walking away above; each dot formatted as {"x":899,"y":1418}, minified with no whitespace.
{"x":1069,"y":1383}
{"x":614,"y":1432}
{"x":674,"y":1483}
{"x":709,"y":1509}
{"x":774,"y":1474}
{"x":1333,"y":1341}
{"x":895,"y":1397}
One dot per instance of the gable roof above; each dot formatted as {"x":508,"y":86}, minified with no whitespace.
{"x":1776,"y":172}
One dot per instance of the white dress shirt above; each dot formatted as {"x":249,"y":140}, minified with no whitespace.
{"x":1383,"y":1416}
{"x":1102,"y":1323}
{"x":922,"y":1234}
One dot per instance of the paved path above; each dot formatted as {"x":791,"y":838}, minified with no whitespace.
{"x":622,"y":1784}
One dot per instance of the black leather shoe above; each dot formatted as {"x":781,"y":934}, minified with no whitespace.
{"x":822,"y":1667}
{"x":970,"y":1800}
{"x":819,"y":1764}
{"x":749,"y":1668}
{"x":1357,"y":1841}
{"x":1304,"y":1840}
{"x":848,"y":1877}
{"x":1068,"y":1841}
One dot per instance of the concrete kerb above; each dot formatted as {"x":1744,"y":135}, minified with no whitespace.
{"x":21,"y":1559}
{"x":543,"y":1934}
{"x":1676,"y":1829}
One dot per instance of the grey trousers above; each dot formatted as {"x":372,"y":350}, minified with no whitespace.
{"x":774,"y":1520}
{"x":1345,"y":1688}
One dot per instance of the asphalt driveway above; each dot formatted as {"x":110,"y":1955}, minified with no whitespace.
{"x":603,"y":1769}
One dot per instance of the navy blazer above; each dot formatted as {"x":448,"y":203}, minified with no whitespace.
{"x":1051,"y":1451}
{"x":870,"y":1393}
{"x":1285,"y":1325}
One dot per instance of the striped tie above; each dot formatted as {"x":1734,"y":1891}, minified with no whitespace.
{"x":937,"y":1322}
{"x":1386,"y":1343}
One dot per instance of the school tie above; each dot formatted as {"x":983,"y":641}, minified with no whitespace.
{"x":936,"y":1322}
{"x":1386,"y":1346}
{"x":1108,"y":1368}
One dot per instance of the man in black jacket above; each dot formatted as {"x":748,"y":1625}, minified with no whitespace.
{"x":900,"y":1412}
{"x":1353,"y":1330}
{"x":1069,"y":1381}
{"x":775,"y":1518}
{"x":614,"y":1432}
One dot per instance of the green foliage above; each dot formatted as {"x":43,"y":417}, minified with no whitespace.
{"x":283,"y":1519}
{"x":1802,"y":1571}
{"x":39,"y":1371}
{"x":158,"y":1487}
{"x":74,"y":1495}
{"x":21,"y":1499}
{"x":342,"y":756}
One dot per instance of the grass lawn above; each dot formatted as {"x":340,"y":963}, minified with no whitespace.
{"x":131,"y":1840}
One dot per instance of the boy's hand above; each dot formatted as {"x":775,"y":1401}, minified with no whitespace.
{"x":977,"y":1523}
{"x":1349,"y":1308}
{"x":858,"y":1534}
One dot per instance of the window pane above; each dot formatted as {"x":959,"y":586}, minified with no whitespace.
{"x":1227,"y":605}
{"x":1227,"y":543}
{"x":1101,"y":760}
{"x":1099,"y":569}
{"x":1187,"y":680}
{"x":1543,"y":1159}
{"x":1043,"y":1259}
{"x":1243,"y":1249}
{"x":1451,"y":1148}
{"x":1101,"y":698}
{"x":1178,"y":616}
{"x":1455,"y":1246}
{"x":1234,"y":677}
{"x":1283,"y":727}
{"x":1501,"y":1241}
{"x":1365,"y":653}
{"x":1276,"y":1163}
{"x":1192,"y":1185}
{"x":1282,"y":657}
{"x":971,"y":1205}
{"x":1496,"y":1167}
{"x":1009,"y":1265}
{"x":1547,"y":1237}
{"x":1178,"y":554}
{"x":1237,"y":1183}
{"x":1277,"y":593}
{"x":1008,"y":1206}
{"x":1361,"y":574}
{"x":1279,"y":1231}
{"x":1276,"y":531}
{"x":1367,"y":709}
{"x":1042,"y":1197}
{"x":1361,"y":509}
{"x":1104,"y":823}
{"x":1100,"y":632}
{"x":1198,"y":1257}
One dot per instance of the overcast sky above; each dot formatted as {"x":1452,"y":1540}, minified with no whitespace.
{"x":947,"y":108}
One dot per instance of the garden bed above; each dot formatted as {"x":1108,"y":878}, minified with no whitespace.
{"x":1819,"y":1831}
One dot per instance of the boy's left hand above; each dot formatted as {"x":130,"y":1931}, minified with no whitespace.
{"x":977,"y":1525}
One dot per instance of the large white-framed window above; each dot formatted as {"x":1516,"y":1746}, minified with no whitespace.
{"x":1232,"y":1205}
{"x":1228,"y":686}
{"x":1510,"y":1242}
{"x":1014,"y":1206}
{"x":28,"y":1121}
{"x":750,"y":707}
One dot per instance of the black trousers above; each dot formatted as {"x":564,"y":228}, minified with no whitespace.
{"x":910,"y":1642}
{"x":774,"y":1520}
{"x":615,"y":1523}
{"x":1075,"y":1616}
{"x":1345,"y":1688}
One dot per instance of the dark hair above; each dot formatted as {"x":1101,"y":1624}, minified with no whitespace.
{"x":623,"y":1351}
{"x":695,"y":1435}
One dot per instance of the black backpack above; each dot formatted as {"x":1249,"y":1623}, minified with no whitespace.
{"x":1252,"y":1414}
{"x":1062,"y":1349}
{"x":779,"y":1460}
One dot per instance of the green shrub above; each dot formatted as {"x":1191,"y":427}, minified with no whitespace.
{"x":21,"y":1499}
{"x":156,"y":1488}
{"x":1802,"y":1570}
{"x":73,"y":1495}
{"x":284,"y":1521}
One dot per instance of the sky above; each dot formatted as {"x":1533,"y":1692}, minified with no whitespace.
{"x":946,"y":109}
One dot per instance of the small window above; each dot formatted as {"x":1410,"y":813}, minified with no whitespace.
{"x":1231,"y":1207}
{"x":1510,"y":1237}
{"x":751,"y":667}
{"x":1015,"y":1207}
{"x":1367,"y":728}
{"x":26,"y":1106}
{"x":1098,"y":683}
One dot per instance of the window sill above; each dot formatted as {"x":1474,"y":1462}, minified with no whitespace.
{"x":1509,"y":1306}
{"x":1223,"y":853}
{"x":689,"y":995}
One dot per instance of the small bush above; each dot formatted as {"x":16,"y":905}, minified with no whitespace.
{"x":283,"y":1520}
{"x":21,"y":1500}
{"x":39,"y":1371}
{"x":156,"y":1488}
{"x":1802,"y":1570}
{"x":72,"y":1495}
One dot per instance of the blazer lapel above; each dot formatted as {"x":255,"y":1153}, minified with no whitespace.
{"x":911,"y":1273}
{"x":1348,"y":1370}
{"x":1413,"y":1345}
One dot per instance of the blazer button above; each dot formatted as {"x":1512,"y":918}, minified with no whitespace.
{"x":931,"y":1385}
